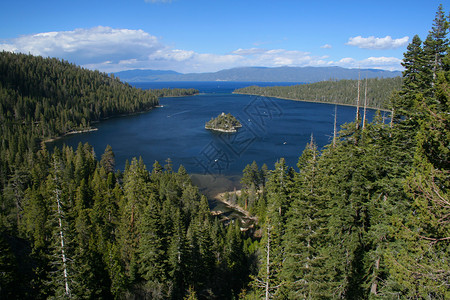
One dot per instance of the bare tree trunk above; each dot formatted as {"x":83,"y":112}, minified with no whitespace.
{"x":61,"y":236}
{"x":374,"y":286}
{"x":436,"y":60}
{"x":357,"y":102}
{"x":335,"y":129}
{"x":391,"y":124}
{"x":268,"y":263}
{"x":365,"y":105}
{"x":392,"y":118}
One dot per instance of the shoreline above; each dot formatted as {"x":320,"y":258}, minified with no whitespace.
{"x":313,"y":101}
{"x":179,"y":95}
{"x":127,"y":114}
{"x":221,"y":197}
{"x":246,"y":220}
{"x":222,"y":130}
{"x":49,"y":140}
{"x":91,"y":129}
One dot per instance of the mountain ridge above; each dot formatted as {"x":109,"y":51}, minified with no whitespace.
{"x":257,"y":74}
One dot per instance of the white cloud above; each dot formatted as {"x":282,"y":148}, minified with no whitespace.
{"x":250,"y":51}
{"x":171,"y":55}
{"x":87,"y":46}
{"x":276,"y":57}
{"x":112,"y":50}
{"x":384,"y":63}
{"x":372,"y":42}
{"x":347,"y":61}
{"x":326,"y":46}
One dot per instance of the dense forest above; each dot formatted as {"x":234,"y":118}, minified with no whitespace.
{"x":166,"y":92}
{"x":367,"y":217}
{"x":51,"y":97}
{"x":377,"y":91}
{"x":85,"y":231}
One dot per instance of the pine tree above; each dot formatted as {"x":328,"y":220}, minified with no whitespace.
{"x":202,"y":225}
{"x":153,"y":249}
{"x":136,"y":178}
{"x":271,"y":258}
{"x":234,"y":259}
{"x":61,"y":207}
{"x":420,"y":262}
{"x":252,"y":180}
{"x":346,"y":175}
{"x":436,"y":44}
{"x":177,"y":255}
{"x":304,"y":231}
{"x":108,"y":161}
{"x":104,"y":213}
{"x":414,"y":64}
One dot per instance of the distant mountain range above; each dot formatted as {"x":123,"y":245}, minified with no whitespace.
{"x":258,"y":74}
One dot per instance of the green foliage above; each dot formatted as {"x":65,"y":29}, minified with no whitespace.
{"x":52,"y":97}
{"x":82,"y":229}
{"x":305,"y":227}
{"x":98,"y":234}
{"x":223,"y":122}
{"x":174,"y":92}
{"x":339,"y":92}
{"x":44,"y":98}
{"x":367,"y":217}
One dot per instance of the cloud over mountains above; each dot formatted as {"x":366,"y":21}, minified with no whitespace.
{"x":110,"y":50}
{"x":372,"y":42}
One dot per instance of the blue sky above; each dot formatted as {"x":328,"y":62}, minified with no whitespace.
{"x":204,"y":36}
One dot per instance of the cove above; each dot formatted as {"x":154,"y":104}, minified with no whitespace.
{"x":272,"y":128}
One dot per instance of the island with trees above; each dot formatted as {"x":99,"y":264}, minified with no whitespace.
{"x":223,"y":123}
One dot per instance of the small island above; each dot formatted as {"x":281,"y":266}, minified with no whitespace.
{"x":223,"y":123}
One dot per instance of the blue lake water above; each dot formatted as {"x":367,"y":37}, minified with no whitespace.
{"x":272,"y":128}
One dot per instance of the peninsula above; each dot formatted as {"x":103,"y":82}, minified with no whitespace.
{"x":223,"y":123}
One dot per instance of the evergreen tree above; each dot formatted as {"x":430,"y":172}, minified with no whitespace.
{"x":304,"y":231}
{"x":234,"y":259}
{"x":347,"y":174}
{"x":278,"y":188}
{"x":436,"y":44}
{"x":131,"y":207}
{"x":153,"y":250}
{"x":108,"y":161}
{"x":421,"y":259}
{"x":177,"y":256}
{"x":58,"y":192}
{"x":414,"y":77}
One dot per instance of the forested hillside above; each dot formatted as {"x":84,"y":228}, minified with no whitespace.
{"x":367,"y":217}
{"x":174,"y":92}
{"x":70,"y":225}
{"x":53,"y":97}
{"x":378,"y":91}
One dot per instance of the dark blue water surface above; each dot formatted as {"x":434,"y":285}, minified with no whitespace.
{"x":272,"y":128}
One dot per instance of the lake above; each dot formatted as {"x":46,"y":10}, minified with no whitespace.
{"x":272,"y":128}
